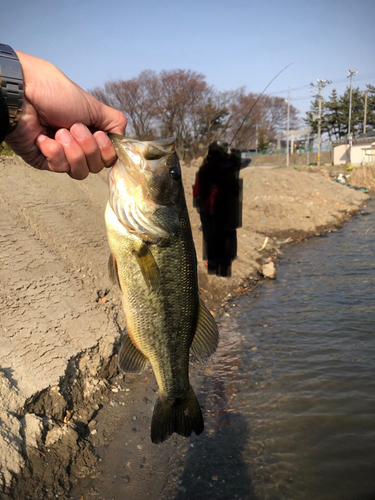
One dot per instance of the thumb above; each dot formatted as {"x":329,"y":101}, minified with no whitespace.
{"x":109,"y":119}
{"x":117,"y":121}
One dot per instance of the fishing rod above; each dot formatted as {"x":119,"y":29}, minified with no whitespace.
{"x":253,"y":106}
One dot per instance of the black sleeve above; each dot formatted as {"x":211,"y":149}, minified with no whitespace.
{"x":4,"y":118}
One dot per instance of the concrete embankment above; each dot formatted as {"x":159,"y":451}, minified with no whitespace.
{"x":61,"y":318}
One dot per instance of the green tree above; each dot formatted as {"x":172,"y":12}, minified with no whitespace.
{"x":370,"y":119}
{"x":312,"y":117}
{"x":356,"y":122}
{"x":333,"y":117}
{"x":335,"y":114}
{"x":263,"y":141}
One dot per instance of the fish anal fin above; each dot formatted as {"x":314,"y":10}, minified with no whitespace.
{"x":130,"y":358}
{"x":148,"y":266}
{"x":206,"y":336}
{"x":112,"y":270}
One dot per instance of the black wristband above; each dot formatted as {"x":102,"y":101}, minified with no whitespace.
{"x":11,"y":83}
{"x":4,"y":118}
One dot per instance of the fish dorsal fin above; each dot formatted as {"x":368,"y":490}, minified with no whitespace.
{"x":130,"y":359}
{"x":148,"y":266}
{"x":206,"y":336}
{"x":112,"y":270}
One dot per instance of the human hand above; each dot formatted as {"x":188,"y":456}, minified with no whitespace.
{"x":55,"y":106}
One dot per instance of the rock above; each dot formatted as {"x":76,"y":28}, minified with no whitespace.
{"x":11,"y":446}
{"x":269,"y":270}
{"x":10,"y":400}
{"x":58,"y":433}
{"x":33,"y":428}
{"x":54,"y":435}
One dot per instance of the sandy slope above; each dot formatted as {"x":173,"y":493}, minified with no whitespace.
{"x":61,"y":319}
{"x":283,"y":204}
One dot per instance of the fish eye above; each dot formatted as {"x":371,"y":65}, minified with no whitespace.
{"x":175,"y":173}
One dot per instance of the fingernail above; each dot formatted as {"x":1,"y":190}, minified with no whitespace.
{"x":41,"y":138}
{"x":64,"y":136}
{"x":80,"y":130}
{"x":101,"y":139}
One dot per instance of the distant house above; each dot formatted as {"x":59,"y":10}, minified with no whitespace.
{"x":362,"y":151}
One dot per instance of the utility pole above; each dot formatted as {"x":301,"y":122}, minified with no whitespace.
{"x":287,"y":129}
{"x":350,"y":141}
{"x":365,"y":117}
{"x":350,"y":75}
{"x":256,"y":139}
{"x":319,"y":122}
{"x":308,"y":148}
{"x":321,"y":84}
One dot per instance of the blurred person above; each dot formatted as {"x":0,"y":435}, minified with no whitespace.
{"x":217,"y":195}
{"x":50,"y":121}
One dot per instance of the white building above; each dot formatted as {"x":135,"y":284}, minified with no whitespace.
{"x":362,"y":151}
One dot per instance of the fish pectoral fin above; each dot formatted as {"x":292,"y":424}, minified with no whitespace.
{"x":148,"y":266}
{"x":130,"y":358}
{"x":112,"y":270}
{"x":206,"y":336}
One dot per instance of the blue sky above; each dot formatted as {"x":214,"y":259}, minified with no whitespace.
{"x":233,"y":43}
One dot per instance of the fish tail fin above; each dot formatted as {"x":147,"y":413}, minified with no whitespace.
{"x":182,"y":416}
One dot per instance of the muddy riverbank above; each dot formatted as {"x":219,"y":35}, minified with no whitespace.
{"x":61,"y":319}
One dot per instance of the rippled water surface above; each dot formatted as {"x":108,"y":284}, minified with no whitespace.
{"x":289,"y":399}
{"x":304,"y":378}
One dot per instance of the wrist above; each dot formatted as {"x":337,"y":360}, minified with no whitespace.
{"x":11,"y":82}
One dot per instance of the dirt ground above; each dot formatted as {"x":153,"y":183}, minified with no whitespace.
{"x":61,"y":319}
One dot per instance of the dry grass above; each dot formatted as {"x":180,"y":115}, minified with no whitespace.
{"x":364,"y":177}
{"x":5,"y":150}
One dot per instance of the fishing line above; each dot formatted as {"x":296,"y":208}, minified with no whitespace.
{"x":252,"y":107}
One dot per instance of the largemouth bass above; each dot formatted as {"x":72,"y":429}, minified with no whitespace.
{"x":153,"y":260}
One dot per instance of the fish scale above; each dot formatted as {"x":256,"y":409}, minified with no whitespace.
{"x":156,"y":268}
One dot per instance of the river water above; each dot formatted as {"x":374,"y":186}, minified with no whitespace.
{"x":303,"y":391}
{"x":289,"y":399}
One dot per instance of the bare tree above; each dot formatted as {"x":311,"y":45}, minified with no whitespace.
{"x":268,"y":114}
{"x":135,"y":98}
{"x":102,"y":96}
{"x":180,"y":99}
{"x":242,"y":131}
{"x":277,"y":115}
{"x":180,"y":103}
{"x":214,"y":118}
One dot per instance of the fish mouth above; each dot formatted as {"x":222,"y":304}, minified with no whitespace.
{"x":149,"y":150}
{"x":136,"y":211}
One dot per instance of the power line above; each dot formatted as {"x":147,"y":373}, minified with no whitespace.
{"x":301,"y":98}
{"x":260,"y":95}
{"x":291,"y":90}
{"x":369,"y":76}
